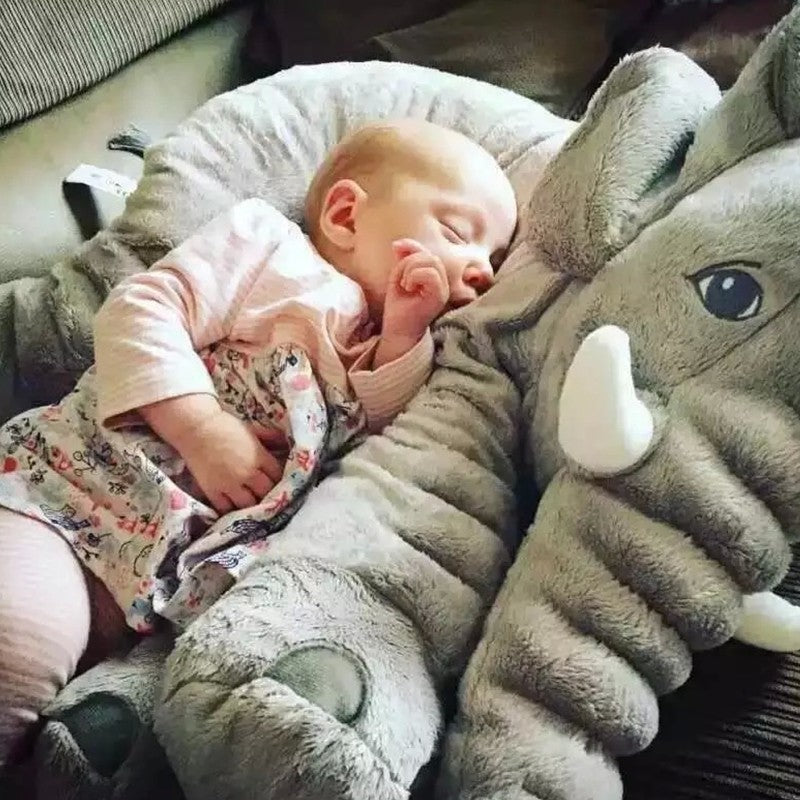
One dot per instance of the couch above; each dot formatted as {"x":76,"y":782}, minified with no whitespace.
{"x":731,"y":731}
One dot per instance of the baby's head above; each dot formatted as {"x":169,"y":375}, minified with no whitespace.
{"x":410,"y":179}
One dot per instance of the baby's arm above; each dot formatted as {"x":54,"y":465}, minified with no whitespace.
{"x":388,"y":377}
{"x":146,"y":340}
{"x":227,"y":457}
{"x":386,"y":390}
{"x":417,"y":294}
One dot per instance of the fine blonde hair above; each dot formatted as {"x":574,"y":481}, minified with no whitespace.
{"x":376,"y":154}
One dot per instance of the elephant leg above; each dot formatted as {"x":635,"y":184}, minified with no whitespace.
{"x":299,"y":682}
{"x":97,"y":742}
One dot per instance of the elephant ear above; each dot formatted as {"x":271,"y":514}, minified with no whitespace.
{"x":621,"y":160}
{"x":760,"y":110}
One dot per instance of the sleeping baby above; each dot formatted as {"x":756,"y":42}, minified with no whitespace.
{"x":226,"y":376}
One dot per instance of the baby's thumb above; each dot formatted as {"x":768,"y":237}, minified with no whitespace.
{"x":403,"y":248}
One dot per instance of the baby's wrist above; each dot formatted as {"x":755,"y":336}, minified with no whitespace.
{"x":181,"y":421}
{"x":405,"y":329}
{"x":407,"y":340}
{"x":395,"y":345}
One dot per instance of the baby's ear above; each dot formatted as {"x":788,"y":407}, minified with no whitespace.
{"x":337,"y":217}
{"x":626,"y":152}
{"x":761,"y":109}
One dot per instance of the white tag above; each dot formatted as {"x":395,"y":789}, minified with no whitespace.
{"x":105,"y":180}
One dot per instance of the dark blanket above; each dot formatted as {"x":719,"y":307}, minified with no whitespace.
{"x":554,"y":53}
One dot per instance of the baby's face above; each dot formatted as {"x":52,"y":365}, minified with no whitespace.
{"x":468,"y":224}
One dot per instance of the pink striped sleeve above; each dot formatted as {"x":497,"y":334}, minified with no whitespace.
{"x":148,"y":332}
{"x":386,"y":391}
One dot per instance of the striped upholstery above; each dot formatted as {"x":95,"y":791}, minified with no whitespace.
{"x":53,"y":49}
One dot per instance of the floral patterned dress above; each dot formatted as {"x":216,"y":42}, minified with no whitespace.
{"x":130,"y":509}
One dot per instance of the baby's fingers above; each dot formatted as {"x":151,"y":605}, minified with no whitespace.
{"x":219,"y":502}
{"x":272,"y":438}
{"x":429,"y":281}
{"x":241,"y":497}
{"x":260,"y":484}
{"x":403,"y":248}
{"x":270,"y":466}
{"x":409,"y":265}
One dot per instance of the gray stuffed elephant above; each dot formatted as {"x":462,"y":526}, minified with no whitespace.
{"x":635,"y":365}
{"x":671,"y":469}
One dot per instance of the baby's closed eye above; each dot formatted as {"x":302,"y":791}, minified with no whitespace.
{"x":455,"y":232}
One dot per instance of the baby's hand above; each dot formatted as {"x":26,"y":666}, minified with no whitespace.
{"x":418,"y":292}
{"x":229,"y":461}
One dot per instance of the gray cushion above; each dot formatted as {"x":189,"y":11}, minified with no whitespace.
{"x":37,"y":227}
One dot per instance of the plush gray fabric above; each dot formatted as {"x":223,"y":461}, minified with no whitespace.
{"x":91,"y":723}
{"x":619,"y":579}
{"x":730,"y":733}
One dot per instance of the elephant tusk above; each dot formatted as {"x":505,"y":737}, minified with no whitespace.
{"x":602,"y":425}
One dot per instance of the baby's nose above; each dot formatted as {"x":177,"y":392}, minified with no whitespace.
{"x":475,"y":280}
{"x":479,"y":275}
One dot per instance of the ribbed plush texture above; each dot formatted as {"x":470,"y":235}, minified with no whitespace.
{"x":53,"y":49}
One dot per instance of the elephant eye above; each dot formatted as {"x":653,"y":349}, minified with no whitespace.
{"x":728,"y":292}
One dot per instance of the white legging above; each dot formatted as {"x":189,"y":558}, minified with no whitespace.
{"x":47,"y":606}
